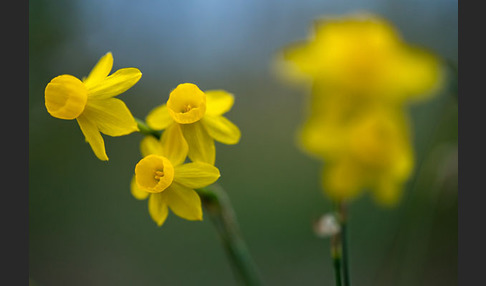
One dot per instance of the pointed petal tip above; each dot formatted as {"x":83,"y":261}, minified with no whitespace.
{"x":198,"y":217}
{"x":103,"y":158}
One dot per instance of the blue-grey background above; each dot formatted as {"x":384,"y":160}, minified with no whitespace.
{"x":86,"y":229}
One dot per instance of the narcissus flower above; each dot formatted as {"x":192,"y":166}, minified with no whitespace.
{"x":362,"y":74}
{"x":374,"y":153}
{"x":166,"y":181}
{"x":91,"y":102}
{"x":364,"y":55}
{"x":200,"y":118}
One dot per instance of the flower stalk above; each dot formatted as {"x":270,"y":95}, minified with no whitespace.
{"x":344,"y":243}
{"x":339,"y":248}
{"x":336,"y":258}
{"x":145,"y":130}
{"x":218,"y":206}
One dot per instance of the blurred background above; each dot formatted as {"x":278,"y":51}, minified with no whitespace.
{"x":85,"y":228}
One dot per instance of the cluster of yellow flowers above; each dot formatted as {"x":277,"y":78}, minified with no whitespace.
{"x":191,"y":120}
{"x":362,"y":75}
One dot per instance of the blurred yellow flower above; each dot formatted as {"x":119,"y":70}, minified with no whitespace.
{"x":91,"y":102}
{"x":370,"y":151}
{"x":364,"y":55}
{"x":200,"y":117}
{"x":361,"y":73}
{"x":166,"y":181}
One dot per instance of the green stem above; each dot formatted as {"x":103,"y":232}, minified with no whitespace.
{"x":344,"y":243}
{"x":339,"y":249}
{"x":221,"y":213}
{"x":336,"y":258}
{"x":144,"y":129}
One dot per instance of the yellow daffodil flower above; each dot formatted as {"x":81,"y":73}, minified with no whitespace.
{"x":373,"y":153}
{"x":329,"y":111}
{"x":91,"y":102}
{"x":162,"y":177}
{"x":200,"y":117}
{"x":363,"y":55}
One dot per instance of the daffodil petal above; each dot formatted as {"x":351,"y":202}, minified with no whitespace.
{"x":196,"y":174}
{"x":111,"y":116}
{"x":93,"y":137}
{"x":136,"y":191}
{"x":320,"y":139}
{"x":100,"y":71}
{"x":183,"y":201}
{"x":419,"y":74}
{"x":201,"y":144}
{"x":158,"y":209}
{"x":343,"y":180}
{"x":300,"y":62}
{"x":174,"y":145}
{"x":218,"y":101}
{"x":221,"y":129}
{"x":159,"y":118}
{"x":150,"y":145}
{"x":115,"y":84}
{"x":388,"y":192}
{"x":404,"y":162}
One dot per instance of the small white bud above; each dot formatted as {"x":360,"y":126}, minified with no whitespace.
{"x":326,"y":226}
